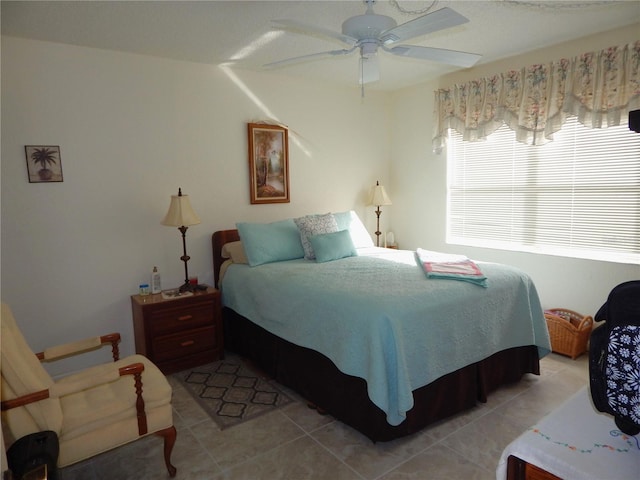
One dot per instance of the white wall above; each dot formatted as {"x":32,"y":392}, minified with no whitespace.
{"x":132,"y":129}
{"x":418,"y":186}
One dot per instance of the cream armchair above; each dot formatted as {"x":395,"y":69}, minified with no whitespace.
{"x":92,"y":411}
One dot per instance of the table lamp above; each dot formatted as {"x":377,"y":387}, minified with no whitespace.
{"x":181,"y":215}
{"x":378,"y":198}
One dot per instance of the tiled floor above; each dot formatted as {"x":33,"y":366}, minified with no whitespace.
{"x":296,"y":443}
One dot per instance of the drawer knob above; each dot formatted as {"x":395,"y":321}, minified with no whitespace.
{"x":185,"y":317}
{"x":188,"y":343}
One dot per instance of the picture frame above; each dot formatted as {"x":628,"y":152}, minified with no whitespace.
{"x":44,"y":163}
{"x":268,"y":163}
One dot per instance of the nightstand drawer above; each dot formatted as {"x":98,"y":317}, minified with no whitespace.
{"x":178,"y":333}
{"x":180,"y":319}
{"x":179,"y":345}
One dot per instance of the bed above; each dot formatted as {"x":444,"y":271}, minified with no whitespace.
{"x":386,"y":377}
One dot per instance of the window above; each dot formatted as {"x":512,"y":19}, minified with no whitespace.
{"x":577,"y":196}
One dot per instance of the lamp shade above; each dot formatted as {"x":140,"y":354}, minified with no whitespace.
{"x":379,"y":196}
{"x":180,"y":212}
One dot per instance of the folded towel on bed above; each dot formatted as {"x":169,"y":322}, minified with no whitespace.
{"x":450,"y":267}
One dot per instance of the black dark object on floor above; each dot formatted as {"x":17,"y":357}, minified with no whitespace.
{"x":614,"y":357}
{"x":32,"y":452}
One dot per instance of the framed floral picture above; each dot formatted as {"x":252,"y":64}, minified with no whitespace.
{"x":268,"y":163}
{"x":44,"y":163}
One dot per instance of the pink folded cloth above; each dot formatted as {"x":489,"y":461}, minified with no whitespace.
{"x":450,"y":267}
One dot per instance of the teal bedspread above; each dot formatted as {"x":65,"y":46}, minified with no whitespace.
{"x":377,"y":316}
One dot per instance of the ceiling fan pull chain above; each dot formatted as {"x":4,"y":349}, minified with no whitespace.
{"x":394,"y":3}
{"x":361,"y":78}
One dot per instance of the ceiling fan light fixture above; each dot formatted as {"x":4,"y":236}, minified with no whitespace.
{"x":369,"y":25}
{"x":368,"y":49}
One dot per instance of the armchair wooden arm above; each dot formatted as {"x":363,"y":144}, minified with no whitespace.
{"x":82,"y":346}
{"x":24,"y":400}
{"x":134,"y":369}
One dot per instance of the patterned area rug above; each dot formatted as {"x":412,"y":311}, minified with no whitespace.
{"x":232,"y":391}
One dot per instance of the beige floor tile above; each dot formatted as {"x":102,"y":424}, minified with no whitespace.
{"x":306,"y":418}
{"x":301,"y":459}
{"x":365,"y":457}
{"x":446,"y":427}
{"x":80,"y":471}
{"x":483,"y":440}
{"x":555,"y":363}
{"x":439,"y":463}
{"x":190,"y":458}
{"x":533,"y":404}
{"x":185,"y":407}
{"x":512,"y":390}
{"x":243,"y":442}
{"x":142,"y":459}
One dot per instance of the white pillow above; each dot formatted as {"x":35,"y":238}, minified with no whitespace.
{"x":359,"y":235}
{"x":314,"y":225}
{"x":234,"y":251}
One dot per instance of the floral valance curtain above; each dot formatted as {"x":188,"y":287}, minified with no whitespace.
{"x":600,"y":88}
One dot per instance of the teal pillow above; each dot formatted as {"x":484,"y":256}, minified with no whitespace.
{"x":332,"y":246}
{"x":270,"y":242}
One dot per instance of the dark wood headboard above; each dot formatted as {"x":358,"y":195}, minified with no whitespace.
{"x":218,"y":239}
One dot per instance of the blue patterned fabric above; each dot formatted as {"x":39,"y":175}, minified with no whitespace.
{"x":314,"y":225}
{"x":623,"y":371}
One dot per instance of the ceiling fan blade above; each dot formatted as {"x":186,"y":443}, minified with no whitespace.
{"x":369,"y":69}
{"x":450,"y":57}
{"x":311,"y":56}
{"x":431,"y":22}
{"x":314,"y":30}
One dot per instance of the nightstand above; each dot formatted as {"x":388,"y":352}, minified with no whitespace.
{"x":178,"y":333}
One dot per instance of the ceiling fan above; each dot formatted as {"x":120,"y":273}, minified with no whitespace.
{"x":371,"y":31}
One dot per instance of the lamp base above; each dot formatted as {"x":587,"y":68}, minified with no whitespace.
{"x":378,"y":232}
{"x":187,"y":287}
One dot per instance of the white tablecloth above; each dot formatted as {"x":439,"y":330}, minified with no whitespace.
{"x":577,"y":442}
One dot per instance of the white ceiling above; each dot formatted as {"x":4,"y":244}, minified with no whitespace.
{"x":216,"y":32}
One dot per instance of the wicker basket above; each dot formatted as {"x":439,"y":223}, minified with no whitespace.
{"x":569,"y":331}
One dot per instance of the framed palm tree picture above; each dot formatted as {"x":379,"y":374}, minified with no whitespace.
{"x":44,"y":163}
{"x":268,"y":163}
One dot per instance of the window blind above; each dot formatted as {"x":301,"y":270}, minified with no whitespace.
{"x":577,"y":196}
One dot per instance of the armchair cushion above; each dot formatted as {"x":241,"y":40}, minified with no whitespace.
{"x":81,"y":447}
{"x":23,"y":374}
{"x":100,"y":418}
{"x":84,"y":380}
{"x":97,"y":407}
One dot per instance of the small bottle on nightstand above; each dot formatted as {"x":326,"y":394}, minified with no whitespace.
{"x":156,"y":286}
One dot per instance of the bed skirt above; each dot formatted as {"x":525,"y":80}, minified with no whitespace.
{"x":318,"y":380}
